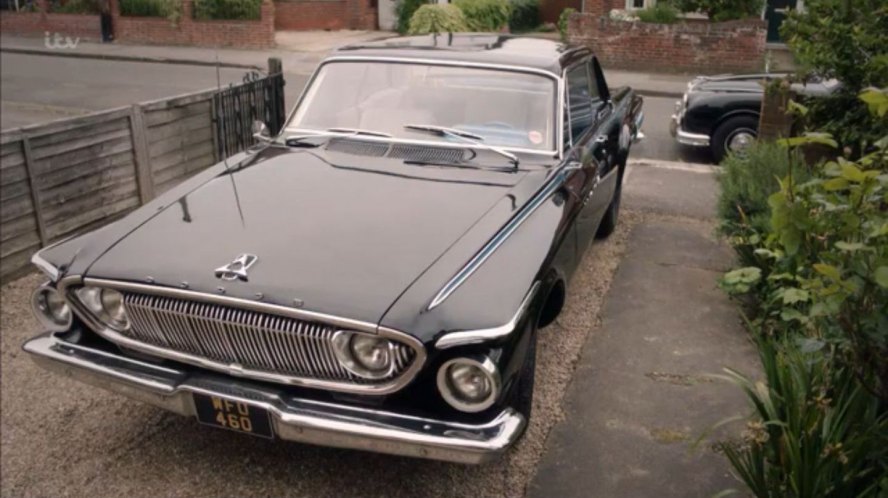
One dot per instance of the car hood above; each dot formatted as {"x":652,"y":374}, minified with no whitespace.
{"x":343,"y":234}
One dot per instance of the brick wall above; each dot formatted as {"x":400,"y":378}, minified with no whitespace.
{"x":325,"y":14}
{"x":83,"y":26}
{"x":698,"y":47}
{"x":222,"y":33}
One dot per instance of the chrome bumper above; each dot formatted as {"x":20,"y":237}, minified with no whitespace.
{"x":685,"y":138}
{"x":292,"y":418}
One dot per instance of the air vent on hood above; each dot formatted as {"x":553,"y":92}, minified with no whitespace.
{"x":407,"y":152}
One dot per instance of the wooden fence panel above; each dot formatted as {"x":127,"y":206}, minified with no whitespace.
{"x":180,"y":140}
{"x":19,"y":235}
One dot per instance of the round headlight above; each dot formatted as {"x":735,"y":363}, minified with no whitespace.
{"x":364,"y":355}
{"x":51,"y":309}
{"x":106,"y":305}
{"x":469,"y":384}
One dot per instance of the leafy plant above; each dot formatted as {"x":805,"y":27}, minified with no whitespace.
{"x":563,"y":21}
{"x":437,"y":18}
{"x":227,"y":9}
{"x":661,"y":13}
{"x":404,"y":9}
{"x":171,"y":9}
{"x":78,"y":7}
{"x":747,"y":181}
{"x":723,"y":10}
{"x":485,"y":15}
{"x":816,"y":432}
{"x":846,"y":40}
{"x":525,"y":15}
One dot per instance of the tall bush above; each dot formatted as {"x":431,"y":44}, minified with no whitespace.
{"x":525,"y":15}
{"x":723,"y":10}
{"x":563,"y":21}
{"x":227,"y":9}
{"x":846,"y":40}
{"x":405,"y":9}
{"x":485,"y":15}
{"x":437,"y":18}
{"x":661,"y":13}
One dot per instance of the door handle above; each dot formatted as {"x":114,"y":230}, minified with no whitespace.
{"x":600,"y":139}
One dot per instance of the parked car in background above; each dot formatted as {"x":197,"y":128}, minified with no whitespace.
{"x":722,"y":112}
{"x":372,"y":278}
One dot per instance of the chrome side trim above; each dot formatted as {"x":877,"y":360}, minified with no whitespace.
{"x":293,"y":418}
{"x":45,"y":266}
{"x":477,"y":336}
{"x":505,"y":232}
{"x":116,"y":337}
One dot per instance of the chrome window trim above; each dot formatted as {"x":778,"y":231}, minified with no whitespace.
{"x":500,"y":237}
{"x":558,"y":152}
{"x":388,"y":387}
{"x":477,"y":336}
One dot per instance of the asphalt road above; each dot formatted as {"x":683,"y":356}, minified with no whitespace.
{"x":658,"y":143}
{"x":38,"y":88}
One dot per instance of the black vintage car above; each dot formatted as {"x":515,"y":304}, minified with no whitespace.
{"x":374,"y":276}
{"x":722,"y":112}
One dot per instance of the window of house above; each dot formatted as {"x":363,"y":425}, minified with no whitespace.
{"x":639,"y":4}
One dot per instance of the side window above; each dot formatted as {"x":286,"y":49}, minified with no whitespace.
{"x":579,"y":100}
{"x":595,"y":91}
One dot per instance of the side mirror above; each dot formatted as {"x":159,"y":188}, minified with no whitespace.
{"x":260,"y":131}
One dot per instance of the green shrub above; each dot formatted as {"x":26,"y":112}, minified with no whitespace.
{"x":723,"y":10}
{"x":437,"y":18}
{"x":845,"y":40}
{"x":227,"y":9}
{"x":816,"y":431}
{"x":563,"y":21}
{"x":150,"y":8}
{"x":485,"y":15}
{"x":78,"y":7}
{"x":404,"y":10}
{"x":661,"y":13}
{"x":748,"y":181}
{"x":525,"y":15}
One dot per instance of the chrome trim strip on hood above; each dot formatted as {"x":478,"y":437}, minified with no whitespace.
{"x":557,"y":180}
{"x":45,"y":266}
{"x":465,"y":337}
{"x":116,"y":337}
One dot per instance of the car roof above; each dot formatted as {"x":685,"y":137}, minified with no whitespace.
{"x":481,"y":48}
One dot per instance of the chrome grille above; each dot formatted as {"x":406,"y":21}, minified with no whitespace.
{"x":251,"y":339}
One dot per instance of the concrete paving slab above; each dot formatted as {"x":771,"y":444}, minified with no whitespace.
{"x":672,"y":188}
{"x":640,"y":394}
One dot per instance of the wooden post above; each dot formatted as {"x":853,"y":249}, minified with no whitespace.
{"x":775,"y":121}
{"x":143,"y":160}
{"x":33,"y":187}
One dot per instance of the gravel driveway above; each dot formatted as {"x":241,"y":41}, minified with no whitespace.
{"x":63,"y":438}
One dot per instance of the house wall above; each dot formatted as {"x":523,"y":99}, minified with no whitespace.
{"x":698,"y":47}
{"x":325,"y":14}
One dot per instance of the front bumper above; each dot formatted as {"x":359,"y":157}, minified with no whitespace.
{"x":684,"y":137}
{"x":292,"y":418}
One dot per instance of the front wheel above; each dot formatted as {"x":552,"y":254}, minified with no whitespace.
{"x":523,"y":394}
{"x":734,"y":135}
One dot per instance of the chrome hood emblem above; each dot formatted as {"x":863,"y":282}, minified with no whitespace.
{"x":237,"y":269}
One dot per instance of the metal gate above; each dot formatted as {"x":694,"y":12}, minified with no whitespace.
{"x":258,"y":98}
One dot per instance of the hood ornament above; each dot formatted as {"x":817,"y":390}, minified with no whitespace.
{"x":237,"y":269}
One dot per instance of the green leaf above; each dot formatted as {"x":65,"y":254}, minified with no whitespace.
{"x":881,"y":276}
{"x":853,"y":173}
{"x":850,"y":246}
{"x":810,"y":345}
{"x":828,"y":271}
{"x":835,"y":184}
{"x":791,"y":295}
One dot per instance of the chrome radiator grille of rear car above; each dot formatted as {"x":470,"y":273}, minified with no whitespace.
{"x":251,"y":339}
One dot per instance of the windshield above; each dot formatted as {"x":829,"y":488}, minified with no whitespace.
{"x":504,"y":108}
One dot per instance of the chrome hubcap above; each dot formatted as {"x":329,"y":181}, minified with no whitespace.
{"x":740,"y":141}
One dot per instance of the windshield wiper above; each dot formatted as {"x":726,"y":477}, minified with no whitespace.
{"x":464,"y":136}
{"x":296,"y":140}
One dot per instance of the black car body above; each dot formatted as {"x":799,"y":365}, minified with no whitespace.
{"x":378,"y":288}
{"x":722,"y":112}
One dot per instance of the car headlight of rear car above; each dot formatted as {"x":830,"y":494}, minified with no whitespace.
{"x":51,"y":309}
{"x":105,"y":305}
{"x":469,"y":384}
{"x":365,"y":355}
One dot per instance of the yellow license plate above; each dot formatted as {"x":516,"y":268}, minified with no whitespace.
{"x":233,"y":415}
